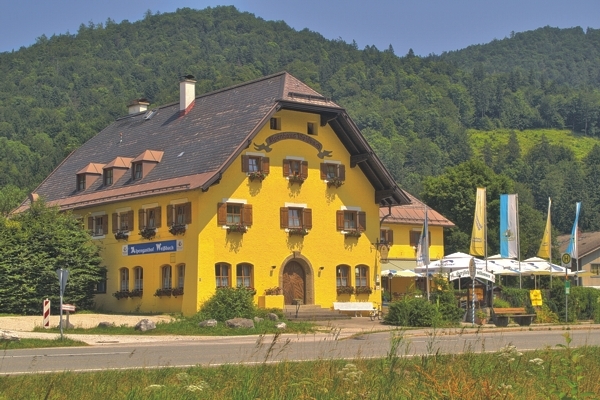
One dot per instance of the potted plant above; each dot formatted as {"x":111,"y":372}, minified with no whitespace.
{"x":353,"y":234}
{"x":297,"y":231}
{"x":335,"y":182}
{"x":148,"y":233}
{"x":274,"y":291}
{"x":480,"y":317}
{"x":176,"y":229}
{"x":238,"y":228}
{"x":363,"y":290}
{"x":122,"y":235}
{"x":257,"y":175}
{"x":296,"y":179}
{"x":345,"y":290}
{"x":163,"y":292}
{"x":177,"y":292}
{"x":121,"y":294}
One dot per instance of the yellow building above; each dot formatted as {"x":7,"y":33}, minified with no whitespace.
{"x":261,"y":185}
{"x":401,"y":228}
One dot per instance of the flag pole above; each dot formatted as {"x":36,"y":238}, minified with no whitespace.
{"x":519,"y":241}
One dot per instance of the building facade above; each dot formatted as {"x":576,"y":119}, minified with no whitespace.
{"x":262,"y":185}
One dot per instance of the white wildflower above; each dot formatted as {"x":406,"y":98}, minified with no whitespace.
{"x":154,"y":387}
{"x":537,"y":361}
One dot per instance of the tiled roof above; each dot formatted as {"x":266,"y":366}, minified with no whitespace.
{"x":413,"y":214}
{"x":588,"y":243}
{"x":149,"y":155}
{"x":199,"y":143}
{"x":92,"y":168}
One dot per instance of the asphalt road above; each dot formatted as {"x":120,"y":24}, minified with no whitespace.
{"x":255,"y":350}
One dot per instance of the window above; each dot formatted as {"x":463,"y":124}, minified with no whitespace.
{"x":415,"y":236}
{"x":98,"y":225}
{"x":333,"y":171}
{"x":124,"y":280}
{"x":137,"y":171}
{"x":179,"y":214}
{"x":138,"y":273}
{"x":595,"y":268}
{"x":296,"y":168}
{"x":275,"y":124}
{"x":122,"y":222}
{"x":295,"y":217}
{"x":149,"y":218}
{"x":386,"y":236}
{"x":311,"y":128}
{"x":222,"y":273}
{"x":166,"y":277}
{"x":244,"y":275}
{"x":81,"y":182}
{"x":347,"y":220}
{"x":342,"y":275}
{"x":255,"y":163}
{"x":108,"y":177}
{"x":361,"y":276}
{"x":180,"y":275}
{"x":101,"y":285}
{"x":234,"y":214}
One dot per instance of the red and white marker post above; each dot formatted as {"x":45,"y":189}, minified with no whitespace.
{"x":46,"y":314}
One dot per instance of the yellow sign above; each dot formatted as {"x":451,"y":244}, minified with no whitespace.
{"x":566,"y":259}
{"x":536,"y":298}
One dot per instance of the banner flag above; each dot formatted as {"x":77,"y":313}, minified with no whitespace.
{"x":546,"y":246}
{"x":423,"y":251}
{"x":479,"y":225}
{"x":509,"y":227}
{"x":573,"y":247}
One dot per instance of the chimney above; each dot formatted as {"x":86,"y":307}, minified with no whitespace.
{"x":138,"y":106}
{"x":187,"y":93}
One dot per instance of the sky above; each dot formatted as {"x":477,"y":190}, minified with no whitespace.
{"x":426,"y":26}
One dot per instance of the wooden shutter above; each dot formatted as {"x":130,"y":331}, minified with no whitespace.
{"x":307,"y":218}
{"x":170,"y":209}
{"x":247,"y":214}
{"x":339,"y":220}
{"x":342,"y":172}
{"x":105,"y":224}
{"x":323,"y":168}
{"x":390,"y":236}
{"x":157,"y":217}
{"x":265,"y":165}
{"x":222,"y":214}
{"x":141,"y":219}
{"x":362,"y":221}
{"x":245,"y":163}
{"x":283,"y":217}
{"x":304,"y":169}
{"x":115,"y":222}
{"x":130,"y":220}
{"x":91,"y":223}
{"x":187,"y":211}
{"x":286,"y":167}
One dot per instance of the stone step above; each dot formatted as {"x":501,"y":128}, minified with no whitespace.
{"x":312,"y":312}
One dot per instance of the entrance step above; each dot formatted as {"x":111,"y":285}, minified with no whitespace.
{"x":311,"y":312}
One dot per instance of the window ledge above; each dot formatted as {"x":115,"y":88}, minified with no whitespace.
{"x":94,"y":237}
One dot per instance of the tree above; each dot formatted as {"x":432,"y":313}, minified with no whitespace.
{"x":35,"y":244}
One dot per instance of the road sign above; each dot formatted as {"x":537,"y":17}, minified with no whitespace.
{"x":68,"y":307}
{"x":565,"y":259}
{"x":567,"y":287}
{"x":63,"y":276}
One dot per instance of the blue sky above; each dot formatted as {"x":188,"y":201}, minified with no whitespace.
{"x":426,"y":26}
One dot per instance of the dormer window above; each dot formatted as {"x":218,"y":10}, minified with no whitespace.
{"x":144,"y":163}
{"x":108,"y":177}
{"x":88,"y":175}
{"x":137,"y":171}
{"x":81,"y":182}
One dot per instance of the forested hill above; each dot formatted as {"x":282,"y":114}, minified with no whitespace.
{"x":565,"y":56}
{"x":416,"y":112}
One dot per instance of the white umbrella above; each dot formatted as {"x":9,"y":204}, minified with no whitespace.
{"x":403,"y":273}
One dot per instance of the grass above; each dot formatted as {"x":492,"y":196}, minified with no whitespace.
{"x":506,"y":374}
{"x":189,"y":326}
{"x":39,"y":343}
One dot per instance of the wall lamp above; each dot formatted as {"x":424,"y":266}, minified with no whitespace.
{"x":273,"y":266}
{"x":321,"y":268}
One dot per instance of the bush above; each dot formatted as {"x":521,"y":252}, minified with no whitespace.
{"x":228,"y":303}
{"x":412,"y":312}
{"x":501,"y":303}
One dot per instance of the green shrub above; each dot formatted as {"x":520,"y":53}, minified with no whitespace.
{"x":501,"y":303}
{"x":447,"y":306}
{"x":412,"y":312}
{"x":228,"y":303}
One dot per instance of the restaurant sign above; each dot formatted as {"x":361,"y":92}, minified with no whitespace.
{"x":165,"y":246}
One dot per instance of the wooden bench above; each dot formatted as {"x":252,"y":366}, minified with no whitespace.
{"x":518,"y":314}
{"x":356,"y":307}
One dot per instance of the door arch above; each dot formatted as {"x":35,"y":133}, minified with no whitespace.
{"x":293,"y":283}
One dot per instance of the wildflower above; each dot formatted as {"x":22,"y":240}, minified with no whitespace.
{"x":537,"y":361}
{"x":183,"y":376}
{"x":195,"y":388}
{"x":505,"y":387}
{"x":154,"y":387}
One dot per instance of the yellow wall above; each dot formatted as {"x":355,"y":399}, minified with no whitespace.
{"x":265,"y":245}
{"x":401,"y":248}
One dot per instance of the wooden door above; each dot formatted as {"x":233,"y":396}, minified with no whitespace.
{"x":293,"y":283}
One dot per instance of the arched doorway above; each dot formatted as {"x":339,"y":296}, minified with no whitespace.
{"x":294,"y":283}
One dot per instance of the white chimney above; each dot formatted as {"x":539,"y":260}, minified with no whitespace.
{"x":187,"y":92}
{"x":138,"y":106}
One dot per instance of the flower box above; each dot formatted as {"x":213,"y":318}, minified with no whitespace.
{"x":296,"y":179}
{"x":121,"y":294}
{"x":136,"y":293}
{"x":297,"y":231}
{"x":148,"y":233}
{"x":345,"y":290}
{"x":177,"y":229}
{"x":177,"y":292}
{"x":335,"y":182}
{"x":122,"y":235}
{"x":363,"y":290}
{"x":163,"y":292}
{"x":238,"y":228}
{"x":274,"y":291}
{"x":256,"y":175}
{"x":353,"y":234}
